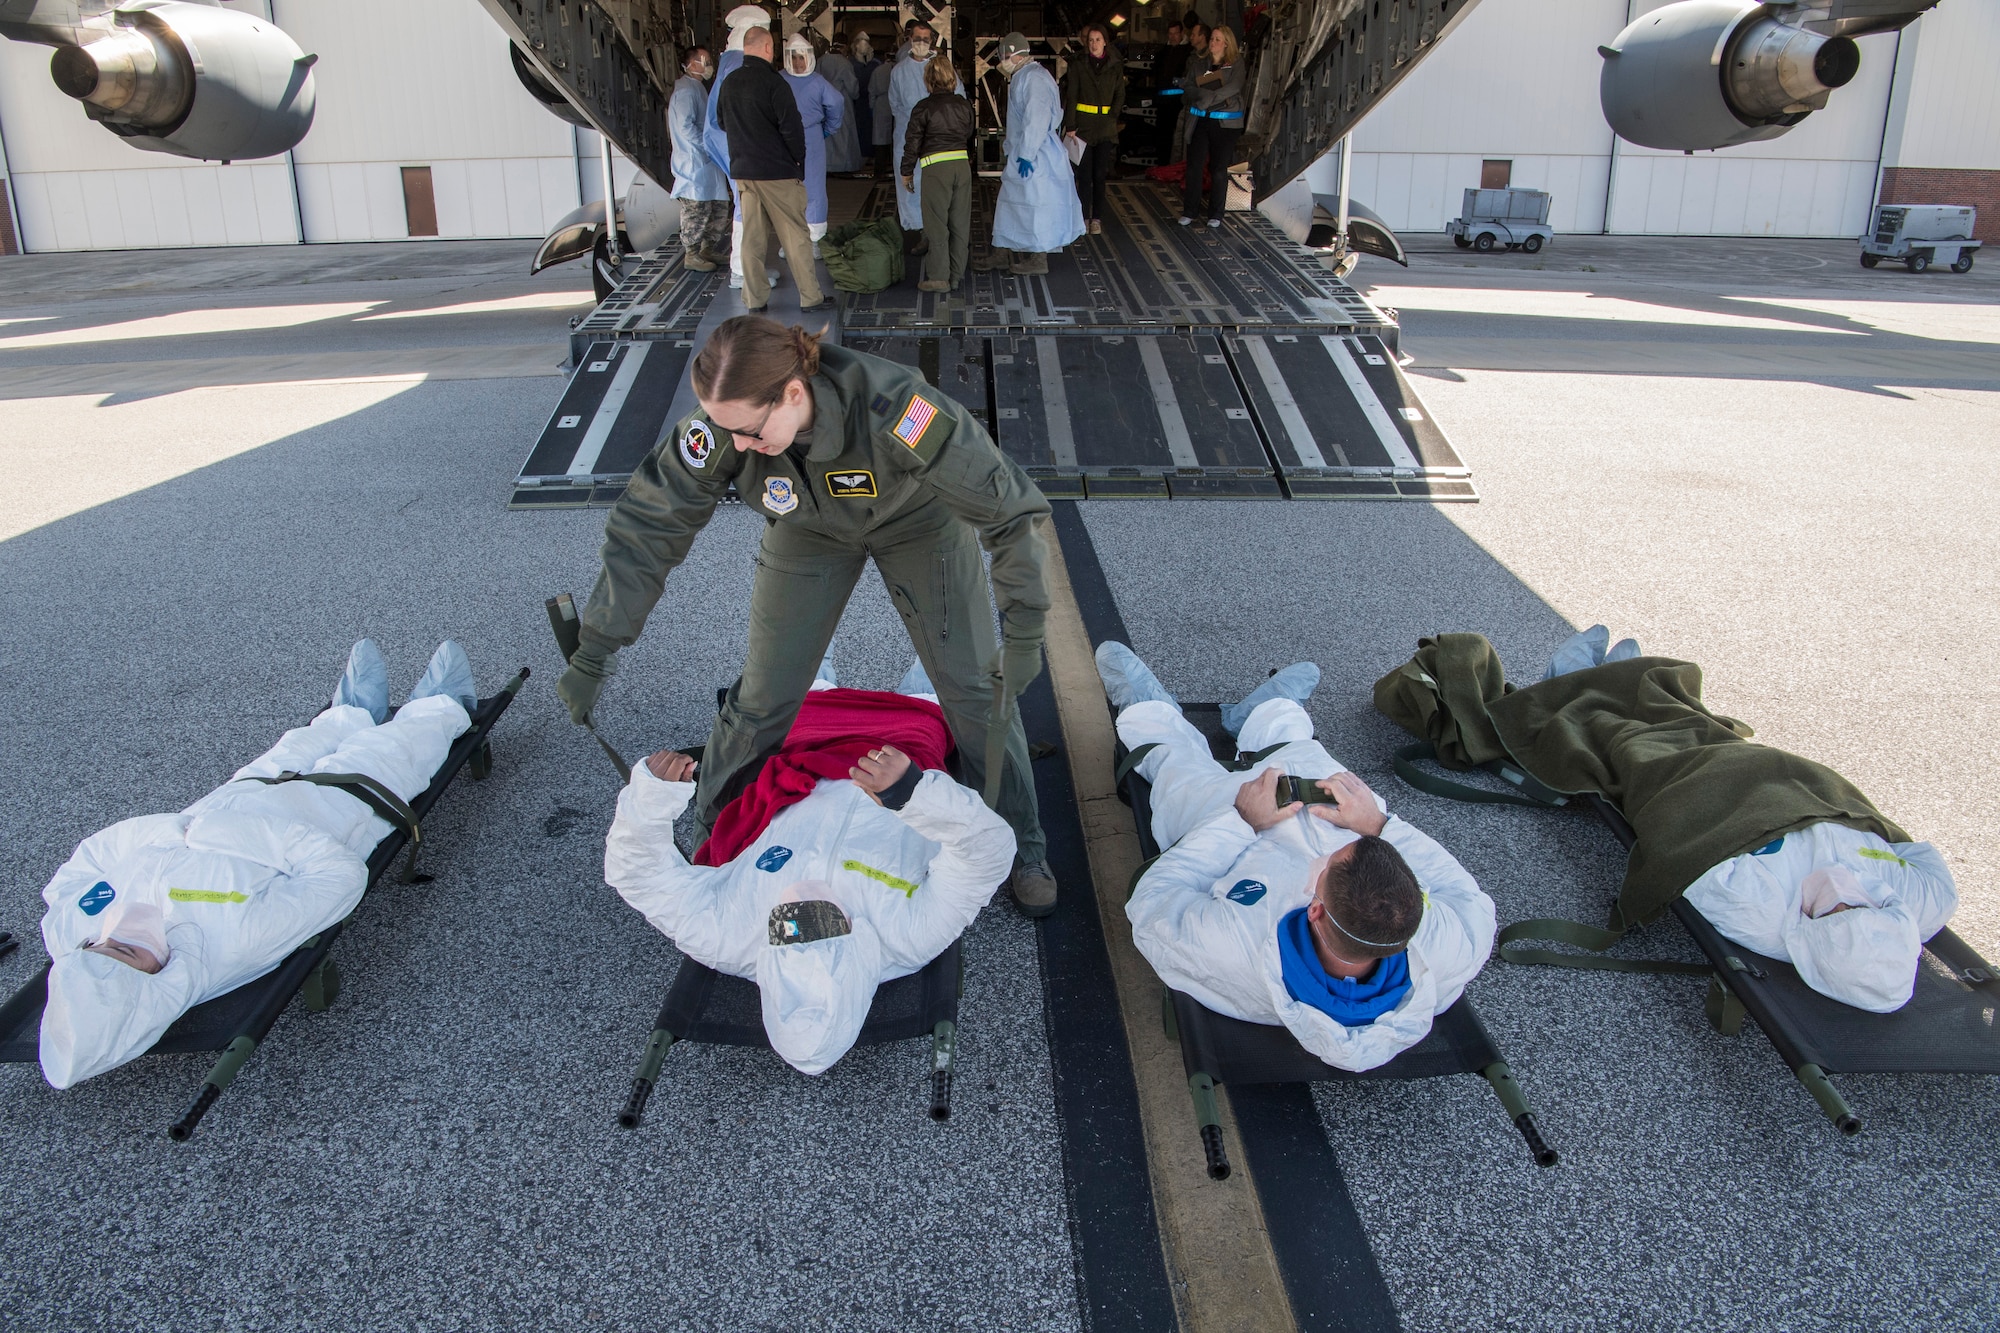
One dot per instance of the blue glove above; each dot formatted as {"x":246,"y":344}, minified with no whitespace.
{"x":1024,"y":167}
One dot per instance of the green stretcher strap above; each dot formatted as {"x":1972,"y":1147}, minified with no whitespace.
{"x":1531,"y":793}
{"x":1243,"y":763}
{"x":617,"y":760}
{"x":377,"y":797}
{"x":1594,"y":938}
{"x":1131,"y":761}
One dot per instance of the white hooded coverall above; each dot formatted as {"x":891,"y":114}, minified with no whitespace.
{"x":909,"y":880}
{"x":1206,"y":914}
{"x":1866,"y":958}
{"x":242,"y":877}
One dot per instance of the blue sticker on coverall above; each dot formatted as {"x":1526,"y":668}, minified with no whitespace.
{"x":774,"y":858}
{"x":1246,"y":891}
{"x":1771,"y":846}
{"x":96,"y":898}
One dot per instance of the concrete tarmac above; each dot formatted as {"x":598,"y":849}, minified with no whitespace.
{"x":198,"y":545}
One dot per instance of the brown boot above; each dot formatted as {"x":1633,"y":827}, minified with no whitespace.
{"x":1034,"y":889}
{"x":1029,"y":263}
{"x":928,"y":286}
{"x":697,"y":263}
{"x":1096,"y":227}
{"x":995,"y":258}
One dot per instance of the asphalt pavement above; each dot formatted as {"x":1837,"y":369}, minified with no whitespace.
{"x":212,"y":508}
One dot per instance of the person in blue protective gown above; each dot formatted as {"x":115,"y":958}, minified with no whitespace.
{"x":823,"y":111}
{"x":740,"y":20}
{"x":698,"y":183}
{"x":843,"y":146}
{"x":906,"y":89}
{"x":1038,"y":210}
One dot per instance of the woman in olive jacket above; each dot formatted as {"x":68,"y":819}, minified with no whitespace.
{"x":1093,"y":100}
{"x":1214,"y":84}
{"x":936,"y":139}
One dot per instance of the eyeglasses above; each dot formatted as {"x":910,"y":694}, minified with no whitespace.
{"x":757,"y":434}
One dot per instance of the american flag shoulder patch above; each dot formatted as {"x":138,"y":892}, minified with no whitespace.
{"x":917,"y":417}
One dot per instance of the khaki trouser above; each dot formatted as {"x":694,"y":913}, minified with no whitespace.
{"x":931,"y":564}
{"x":778,"y":206}
{"x":947,"y":191}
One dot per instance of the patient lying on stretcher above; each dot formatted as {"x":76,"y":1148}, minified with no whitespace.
{"x":1846,"y":907}
{"x":156,"y":914}
{"x":852,"y":859}
{"x":1333,"y":918}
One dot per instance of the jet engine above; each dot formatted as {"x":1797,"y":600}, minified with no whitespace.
{"x":1717,"y":73}
{"x":192,"y":79}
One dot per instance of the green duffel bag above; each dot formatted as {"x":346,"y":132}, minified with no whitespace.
{"x":864,"y":256}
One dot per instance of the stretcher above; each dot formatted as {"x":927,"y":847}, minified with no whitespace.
{"x":1946,"y":1028}
{"x":235,"y":1023}
{"x":704,"y":1006}
{"x":1216,"y":1049}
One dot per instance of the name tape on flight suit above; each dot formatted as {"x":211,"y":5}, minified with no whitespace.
{"x":856,"y":485}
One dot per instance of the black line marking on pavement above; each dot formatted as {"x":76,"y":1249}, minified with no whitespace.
{"x":1329,"y":1269}
{"x":1121,"y":1273}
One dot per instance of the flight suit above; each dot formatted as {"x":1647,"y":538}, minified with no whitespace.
{"x":892,"y":469}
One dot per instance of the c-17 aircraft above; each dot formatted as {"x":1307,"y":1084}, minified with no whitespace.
{"x":197,"y":79}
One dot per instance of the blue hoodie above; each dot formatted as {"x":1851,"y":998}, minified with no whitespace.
{"x":1348,"y":1001}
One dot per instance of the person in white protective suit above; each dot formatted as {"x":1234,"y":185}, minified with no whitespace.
{"x":906,"y":89}
{"x":157,"y":914}
{"x":1038,"y":211}
{"x":1336,"y":920}
{"x":823,"y":111}
{"x":1849,"y":909}
{"x":863,"y":881}
{"x":740,"y":21}
{"x":843,"y":145}
{"x":699,"y":184}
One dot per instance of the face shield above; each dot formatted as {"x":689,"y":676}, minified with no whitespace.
{"x":798,"y":55}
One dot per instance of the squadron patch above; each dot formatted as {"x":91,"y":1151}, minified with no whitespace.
{"x":697,"y":445}
{"x":856,"y":485}
{"x":779,"y":497}
{"x":917,"y":418}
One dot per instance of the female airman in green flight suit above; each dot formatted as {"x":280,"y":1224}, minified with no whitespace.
{"x":847,"y":456}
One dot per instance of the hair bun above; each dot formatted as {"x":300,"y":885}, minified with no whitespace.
{"x":807,"y":346}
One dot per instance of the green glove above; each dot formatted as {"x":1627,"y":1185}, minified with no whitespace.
{"x":589,"y":667}
{"x":1020,"y":663}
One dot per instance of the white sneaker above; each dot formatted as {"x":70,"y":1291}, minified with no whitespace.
{"x":1215,"y":222}
{"x":1186,"y":221}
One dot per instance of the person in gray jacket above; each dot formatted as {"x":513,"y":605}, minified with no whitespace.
{"x":1216,"y":103}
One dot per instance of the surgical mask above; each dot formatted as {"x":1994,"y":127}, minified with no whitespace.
{"x":137,"y":922}
{"x":700,"y":70}
{"x":1829,"y":887}
{"x":921,"y":50}
{"x":863,"y":51}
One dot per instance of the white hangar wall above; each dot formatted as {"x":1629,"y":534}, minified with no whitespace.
{"x":1517,"y":82}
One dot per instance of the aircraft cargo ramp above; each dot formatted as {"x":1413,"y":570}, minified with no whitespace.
{"x":1152,"y":361}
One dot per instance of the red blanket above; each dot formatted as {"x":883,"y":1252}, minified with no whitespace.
{"x":834,"y":729}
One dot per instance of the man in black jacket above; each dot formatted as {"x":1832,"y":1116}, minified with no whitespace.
{"x":767,"y":161}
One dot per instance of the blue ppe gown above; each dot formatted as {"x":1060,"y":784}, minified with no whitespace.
{"x":906,"y":89}
{"x":1041,"y":213}
{"x":843,"y":146}
{"x":712,"y":136}
{"x":695,"y":176}
{"x":823,"y":111}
